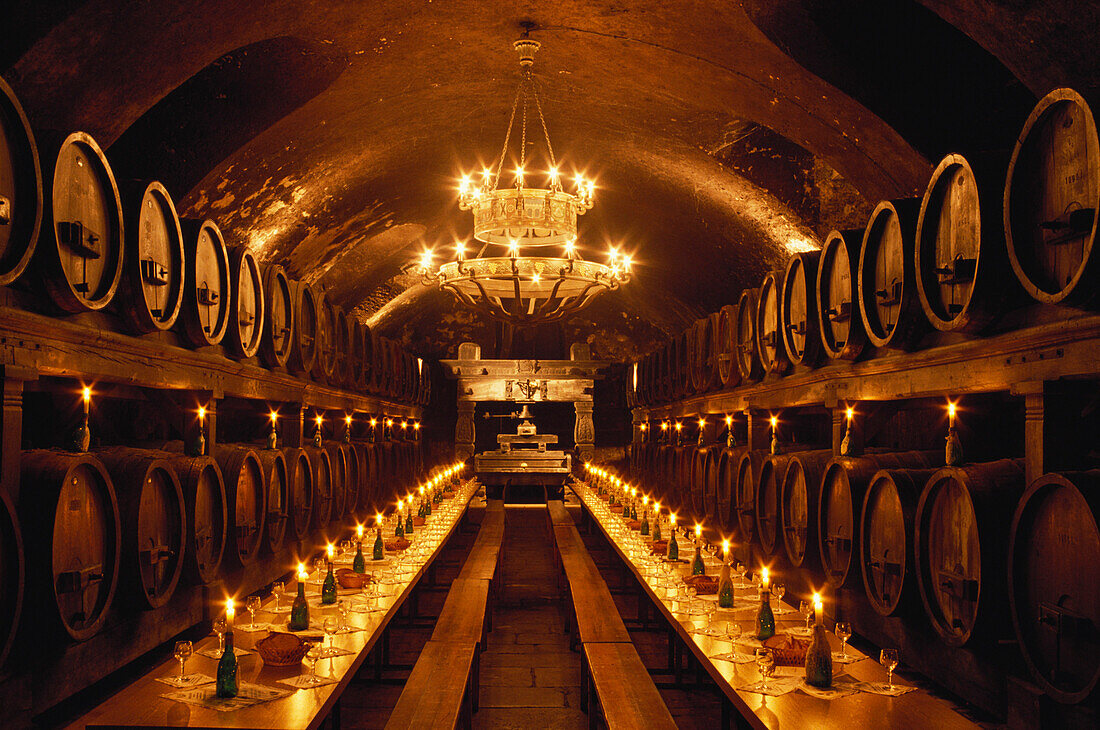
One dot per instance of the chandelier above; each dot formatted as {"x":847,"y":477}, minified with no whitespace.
{"x":527,"y":270}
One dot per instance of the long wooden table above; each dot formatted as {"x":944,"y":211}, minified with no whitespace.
{"x":916,"y":710}
{"x":140,"y":704}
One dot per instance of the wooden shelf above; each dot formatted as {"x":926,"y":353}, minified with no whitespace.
{"x":37,"y":344}
{"x":1056,"y":350}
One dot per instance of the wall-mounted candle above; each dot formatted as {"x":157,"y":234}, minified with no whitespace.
{"x":951,"y":414}
{"x":86,"y":396}
{"x":347,"y":419}
{"x":775,"y":423}
{"x":702,"y":423}
{"x":202,"y":415}
{"x":849,"y":414}
{"x":274,"y":417}
{"x":679,"y":426}
{"x":404,"y":425}
{"x":664,"y":425}
{"x":818,"y":610}
{"x":765,"y":579}
{"x":230,"y":611}
{"x":642,"y":428}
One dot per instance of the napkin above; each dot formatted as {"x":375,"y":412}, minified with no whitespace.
{"x":776,"y":686}
{"x":214,"y":653}
{"x":736,"y":657}
{"x":838,"y":690}
{"x":302,"y":681}
{"x":188,"y":680}
{"x":882,"y":688}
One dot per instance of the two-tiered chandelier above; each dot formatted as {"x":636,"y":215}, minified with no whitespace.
{"x":530,"y":283}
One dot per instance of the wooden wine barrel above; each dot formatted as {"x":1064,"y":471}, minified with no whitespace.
{"x":769,"y":326}
{"x":21,"y":203}
{"x":836,"y":296}
{"x":277,"y":337}
{"x":12,"y":575}
{"x":681,"y":496}
{"x":300,"y":491}
{"x":666,"y":472}
{"x":886,"y":558}
{"x":1051,"y":198}
{"x":842,"y":490}
{"x":710,"y":485}
{"x":355,"y":353}
{"x":661,"y":379}
{"x":695,"y":495}
{"x":153,"y":266}
{"x":962,"y":269}
{"x":888,"y":301}
{"x":1053,"y":574}
{"x":322,"y":486}
{"x":303,"y":341}
{"x":798,"y":310}
{"x":207,"y":286}
{"x":374,"y":386}
{"x":798,"y":507}
{"x":769,"y":496}
{"x":274,"y":466}
{"x":354,"y":481}
{"x":338,"y":461}
{"x":324,"y":365}
{"x":725,"y":347}
{"x":341,"y":347}
{"x":426,"y":384}
{"x":704,"y":369}
{"x":685,"y":344}
{"x":154,"y":521}
{"x":749,"y":365}
{"x":962,"y":518}
{"x":246,"y":309}
{"x":368,"y":478}
{"x":366,"y":355}
{"x":746,"y":486}
{"x":726,"y":487}
{"x":246,"y":497}
{"x":80,"y":250}
{"x":72,"y":540}
{"x":206,"y":513}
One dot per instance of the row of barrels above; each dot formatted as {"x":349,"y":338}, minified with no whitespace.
{"x":139,"y":520}
{"x":96,"y":244}
{"x":958,"y":542}
{"x":944,"y":261}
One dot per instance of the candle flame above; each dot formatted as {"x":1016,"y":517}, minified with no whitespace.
{"x":851,"y":412}
{"x":672,"y":519}
{"x":764,"y":576}
{"x":274,"y":417}
{"x":330,"y":550}
{"x":202,"y":412}
{"x":318,"y":419}
{"x":347,"y":419}
{"x":359,"y":527}
{"x":729,"y":420}
{"x":951,"y":409}
{"x":702,"y":423}
{"x":373,"y":422}
{"x":725,"y":546}
{"x":698,"y":529}
{"x":302,"y":574}
{"x":817,"y":600}
{"x":87,"y":394}
{"x":378,"y":518}
{"x":774,"y":421}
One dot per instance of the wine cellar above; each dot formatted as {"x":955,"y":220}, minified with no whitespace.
{"x":769,"y":398}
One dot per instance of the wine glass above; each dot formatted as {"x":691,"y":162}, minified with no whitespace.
{"x":319,"y":569}
{"x":889,"y":659}
{"x":765,"y":662}
{"x":807,"y":609}
{"x":843,"y":632}
{"x":330,"y":626}
{"x":312,"y":656}
{"x":345,"y":547}
{"x":739,"y":569}
{"x":746,"y":575}
{"x":253,"y":605}
{"x":278,"y":588}
{"x":342,"y":609}
{"x":184,"y":649}
{"x":733,"y":631}
{"x":219,"y":627}
{"x":779,"y":590}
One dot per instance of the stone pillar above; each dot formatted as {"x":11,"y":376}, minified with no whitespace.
{"x":584,"y":433}
{"x":464,"y":431}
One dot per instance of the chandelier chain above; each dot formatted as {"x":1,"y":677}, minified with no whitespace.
{"x":523,"y":134}
{"x":542,"y":119}
{"x":507,"y":138}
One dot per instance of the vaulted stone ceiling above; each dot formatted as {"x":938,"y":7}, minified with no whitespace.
{"x":327,"y":135}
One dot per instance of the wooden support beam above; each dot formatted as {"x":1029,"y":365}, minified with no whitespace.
{"x":11,"y":428}
{"x":1052,"y":433}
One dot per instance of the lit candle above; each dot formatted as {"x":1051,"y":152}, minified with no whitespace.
{"x":86,"y":396}
{"x":725,"y":550}
{"x":951,"y":414}
{"x":230,"y":611}
{"x":202,"y":415}
{"x":849,"y":413}
{"x":347,"y":420}
{"x":331,"y":551}
{"x":399,"y":503}
{"x":702,"y":423}
{"x":645,"y":500}
{"x":274,"y":417}
{"x":698,"y":530}
{"x":404,"y":425}
{"x":765,"y":581}
{"x":664,"y":425}
{"x":679,"y":426}
{"x":672,"y":520}
{"x":642,"y":428}
{"x":775,"y":423}
{"x":657,"y":508}
{"x":378,"y":519}
{"x":359,"y":527}
{"x":416,"y":425}
{"x":817,"y":608}
{"x":302,"y":574}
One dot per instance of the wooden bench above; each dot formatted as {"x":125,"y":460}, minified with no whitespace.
{"x":616,"y":676}
{"x":464,"y":614}
{"x":559,"y":515}
{"x":595,"y":616}
{"x":439,"y":692}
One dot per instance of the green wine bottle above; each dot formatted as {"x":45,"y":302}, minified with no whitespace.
{"x":299,"y":610}
{"x":657,"y":528}
{"x":819,"y":660}
{"x":359,"y":564}
{"x":409,"y":523}
{"x":765,"y":620}
{"x":697,"y":567}
{"x":227,"y":669}
{"x":378,"y":545}
{"x":645,"y":524}
{"x":328,"y":588}
{"x":725,"y":587}
{"x":399,"y":531}
{"x":427,"y":508}
{"x":673,"y":546}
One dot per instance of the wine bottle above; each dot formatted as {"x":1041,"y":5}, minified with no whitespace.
{"x":328,"y":588}
{"x":657,"y":528}
{"x":697,"y":566}
{"x":299,"y":610}
{"x":765,"y":620}
{"x":427,"y":508}
{"x":644,"y":529}
{"x":673,"y":546}
{"x":819,"y":660}
{"x":227,"y":669}
{"x":317,"y":438}
{"x":359,"y":564}
{"x":399,"y":531}
{"x":272,"y":439}
{"x":378,"y":545}
{"x":725,"y":587}
{"x":409,"y":522}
